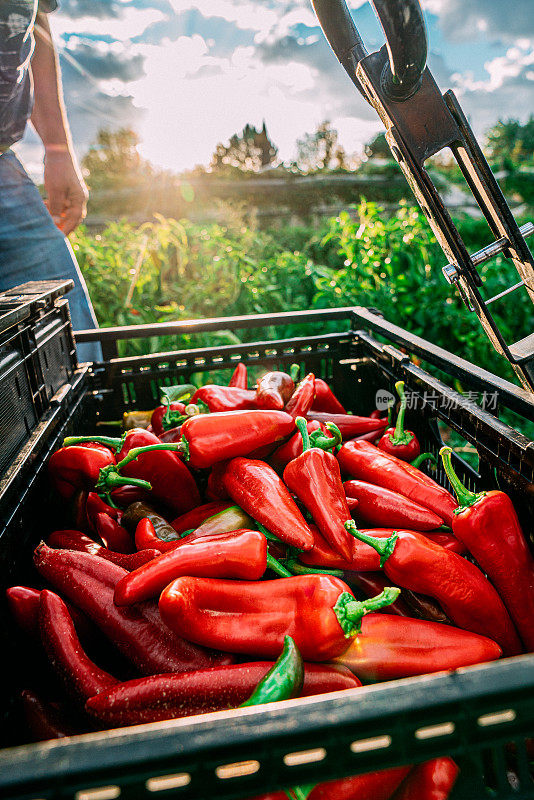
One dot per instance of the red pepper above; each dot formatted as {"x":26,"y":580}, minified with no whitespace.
{"x":384,"y":508}
{"x":76,"y":540}
{"x":371,"y":584}
{"x":171,"y":481}
{"x":173,"y":412}
{"x":257,"y":489}
{"x":23,"y":602}
{"x":424,"y":607}
{"x":488,"y":526}
{"x":225,"y":398}
{"x":215,"y":488}
{"x":126,"y":495}
{"x":163,"y":531}
{"x":274,"y":389}
{"x":433,"y":780}
{"x":146,"y":538}
{"x":138,"y":632}
{"x":325,"y":399}
{"x":198,"y":515}
{"x":95,"y":505}
{"x":44,"y":720}
{"x":293,"y":448}
{"x":372,"y":786}
{"x":240,"y":554}
{"x":239,"y":377}
{"x":411,"y":560}
{"x":171,"y":696}
{"x":363,"y":558}
{"x":410,"y":604}
{"x":318,"y":611}
{"x":209,"y":438}
{"x":172,"y":436}
{"x":142,"y":454}
{"x":105,"y":520}
{"x":349,"y":424}
{"x":399,"y":647}
{"x":229,"y":519}
{"x":446,"y":540}
{"x":373,"y":436}
{"x":397,"y":441}
{"x":364,"y":461}
{"x":114,"y":536}
{"x":78,"y":467}
{"x":302,"y":399}
{"x":316,"y":480}
{"x":81,"y":677}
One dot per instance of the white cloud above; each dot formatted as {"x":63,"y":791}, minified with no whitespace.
{"x":131,"y":22}
{"x":246,"y":16}
{"x":501,"y":20}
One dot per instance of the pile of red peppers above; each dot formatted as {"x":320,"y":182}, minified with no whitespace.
{"x":248,"y":545}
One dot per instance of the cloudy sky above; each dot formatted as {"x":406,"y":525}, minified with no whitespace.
{"x":187,"y":74}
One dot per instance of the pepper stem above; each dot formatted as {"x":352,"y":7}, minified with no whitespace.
{"x":271,"y":537}
{"x":301,"y":569}
{"x":276,"y":566}
{"x":109,"y":478}
{"x":350,"y":612}
{"x":300,"y":792}
{"x":465,"y":497}
{"x":318,"y":439}
{"x":283,"y":681}
{"x":401,"y":436}
{"x":423,"y":457}
{"x":108,"y":441}
{"x":294,"y":370}
{"x":302,"y":425}
{"x":112,"y":481}
{"x":384,"y":547}
{"x":135,"y":452}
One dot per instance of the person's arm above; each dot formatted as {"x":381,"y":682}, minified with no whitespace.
{"x":64,"y":185}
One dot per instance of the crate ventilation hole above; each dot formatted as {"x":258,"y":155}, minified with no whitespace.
{"x":497,"y":718}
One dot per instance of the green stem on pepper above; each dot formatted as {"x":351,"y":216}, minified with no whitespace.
{"x":301,"y":569}
{"x":424,"y":457}
{"x":384,"y":547}
{"x":465,"y":497}
{"x":276,"y":566}
{"x":401,"y":436}
{"x":283,"y":681}
{"x":350,"y":612}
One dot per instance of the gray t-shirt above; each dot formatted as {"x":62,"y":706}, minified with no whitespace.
{"x":17,"y":18}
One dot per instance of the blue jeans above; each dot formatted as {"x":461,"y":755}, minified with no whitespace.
{"x":33,"y":249}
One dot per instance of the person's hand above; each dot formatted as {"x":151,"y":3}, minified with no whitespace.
{"x":65,"y":189}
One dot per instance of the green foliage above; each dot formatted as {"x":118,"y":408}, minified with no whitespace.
{"x":394,"y":264}
{"x":168,"y":269}
{"x":510,"y":144}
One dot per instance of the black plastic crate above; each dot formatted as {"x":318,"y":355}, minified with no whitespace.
{"x":474,"y":714}
{"x":37,"y":359}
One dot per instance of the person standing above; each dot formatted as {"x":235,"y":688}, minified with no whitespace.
{"x":33,"y":243}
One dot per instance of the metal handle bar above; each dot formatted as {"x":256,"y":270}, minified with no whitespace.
{"x":406,"y":41}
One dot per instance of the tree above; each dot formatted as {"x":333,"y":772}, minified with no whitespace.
{"x":378,"y":147}
{"x":316,"y":151}
{"x":114,"y":160}
{"x":249,"y":151}
{"x":511,"y":144}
